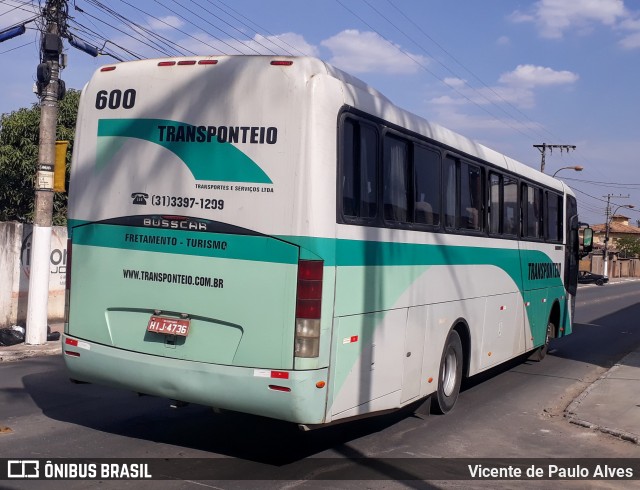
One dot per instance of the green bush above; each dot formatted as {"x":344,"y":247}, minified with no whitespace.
{"x":19,"y":135}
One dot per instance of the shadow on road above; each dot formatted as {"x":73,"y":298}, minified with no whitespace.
{"x":246,"y":437}
{"x":602,"y":341}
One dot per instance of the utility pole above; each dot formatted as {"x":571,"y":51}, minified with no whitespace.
{"x":607,"y":228}
{"x":543,"y":149}
{"x":50,"y":89}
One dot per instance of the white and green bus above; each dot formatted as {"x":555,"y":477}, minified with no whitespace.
{"x":270,"y":235}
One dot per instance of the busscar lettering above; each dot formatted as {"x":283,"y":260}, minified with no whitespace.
{"x":544,"y":270}
{"x":184,"y":133}
{"x":174,"y":224}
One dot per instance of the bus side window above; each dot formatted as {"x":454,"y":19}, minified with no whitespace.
{"x":450,"y":192}
{"x":348,"y":169}
{"x":533,"y":203}
{"x":426,"y":165}
{"x":495,"y":203}
{"x":510,"y":214}
{"x":396,"y":181}
{"x":553,"y":217}
{"x":359,"y":170}
{"x":470,"y":196}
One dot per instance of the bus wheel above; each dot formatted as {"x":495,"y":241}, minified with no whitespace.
{"x":450,"y":375}
{"x":540,"y":353}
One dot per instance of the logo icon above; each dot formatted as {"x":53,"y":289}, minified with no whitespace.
{"x":23,"y":468}
{"x":140,"y":198}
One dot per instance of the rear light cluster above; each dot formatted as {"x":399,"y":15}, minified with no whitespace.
{"x":308,"y":306}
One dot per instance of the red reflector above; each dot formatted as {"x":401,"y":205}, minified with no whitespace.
{"x":281,"y":63}
{"x":308,"y":308}
{"x":72,"y":342}
{"x":208,"y":62}
{"x":280,"y":374}
{"x":166,"y":63}
{"x":188,"y":62}
{"x":310,"y":270}
{"x":309,"y":289}
{"x":107,"y":68}
{"x":71,"y":353}
{"x":279,"y":388}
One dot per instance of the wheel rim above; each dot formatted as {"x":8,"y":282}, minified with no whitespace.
{"x":449,"y":372}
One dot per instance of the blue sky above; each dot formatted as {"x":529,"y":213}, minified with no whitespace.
{"x":510,"y":74}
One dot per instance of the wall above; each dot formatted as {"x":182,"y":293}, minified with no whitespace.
{"x":15,"y":240}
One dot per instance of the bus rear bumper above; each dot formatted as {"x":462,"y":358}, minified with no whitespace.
{"x":285,"y":395}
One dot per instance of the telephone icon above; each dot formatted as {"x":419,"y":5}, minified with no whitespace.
{"x":140,"y":197}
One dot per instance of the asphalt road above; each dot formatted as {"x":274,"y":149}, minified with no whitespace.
{"x":512,"y":412}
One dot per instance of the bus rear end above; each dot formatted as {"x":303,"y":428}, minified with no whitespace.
{"x":186,"y":280}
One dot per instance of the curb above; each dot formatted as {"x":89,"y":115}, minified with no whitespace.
{"x":570,"y":412}
{"x":10,"y":354}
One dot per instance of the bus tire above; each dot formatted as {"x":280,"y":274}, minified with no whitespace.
{"x":449,"y":375}
{"x":540,"y":353}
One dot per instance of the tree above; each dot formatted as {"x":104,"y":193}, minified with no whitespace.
{"x":628,"y":246}
{"x":19,"y":135}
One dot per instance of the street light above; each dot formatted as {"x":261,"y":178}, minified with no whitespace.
{"x":606,"y":235}
{"x":577,"y":168}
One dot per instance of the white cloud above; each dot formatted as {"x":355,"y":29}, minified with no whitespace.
{"x":516,"y":88}
{"x":554,"y":17}
{"x":535,"y":76}
{"x":286,"y":43}
{"x":631,"y":41}
{"x":468,"y":123}
{"x":363,"y":52}
{"x":447,"y":100}
{"x":455,"y":82}
{"x":163,"y":23}
{"x":503,"y":41}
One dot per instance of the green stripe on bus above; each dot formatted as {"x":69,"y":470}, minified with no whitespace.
{"x":243,"y":247}
{"x":334,"y":252}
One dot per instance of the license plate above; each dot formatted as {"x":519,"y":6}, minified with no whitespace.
{"x":169,"y":326}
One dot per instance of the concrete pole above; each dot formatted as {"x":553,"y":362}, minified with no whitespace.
{"x":38,"y":297}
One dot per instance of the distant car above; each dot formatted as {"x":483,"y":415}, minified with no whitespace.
{"x":585,"y":277}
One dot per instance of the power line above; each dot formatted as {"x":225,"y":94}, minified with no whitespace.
{"x":155,"y":44}
{"x":604,"y":184}
{"x":272,"y":37}
{"x":475,"y":90}
{"x":422,"y":65}
{"x":228,"y":24}
{"x":17,"y":47}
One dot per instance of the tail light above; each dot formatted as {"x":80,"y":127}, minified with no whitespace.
{"x":308,"y":307}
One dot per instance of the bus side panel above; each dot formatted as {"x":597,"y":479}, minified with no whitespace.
{"x":412,"y":309}
{"x":542,"y":272}
{"x":367,"y":376}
